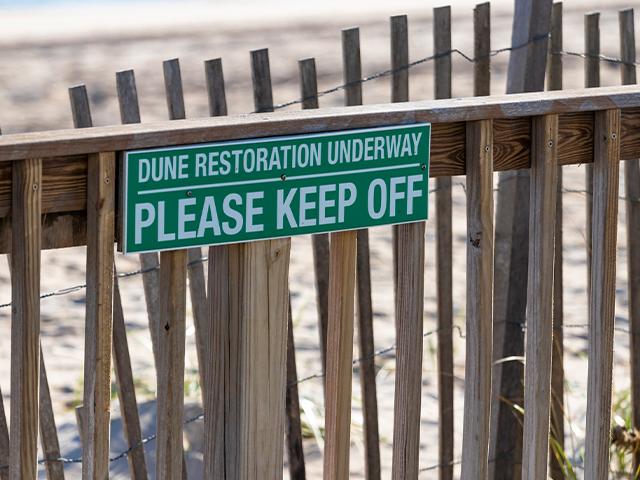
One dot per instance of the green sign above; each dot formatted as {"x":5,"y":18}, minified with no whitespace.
{"x":257,"y":189}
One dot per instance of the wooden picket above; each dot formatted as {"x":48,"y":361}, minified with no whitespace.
{"x":542,"y":222}
{"x":81,"y":113}
{"x":554,"y":82}
{"x":591,"y":79}
{"x":477,"y":397}
{"x":444,"y":256}
{"x":25,"y":316}
{"x":606,"y":156}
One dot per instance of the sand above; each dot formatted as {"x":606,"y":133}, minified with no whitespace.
{"x":45,"y":52}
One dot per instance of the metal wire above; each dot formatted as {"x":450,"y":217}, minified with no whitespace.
{"x":410,"y":65}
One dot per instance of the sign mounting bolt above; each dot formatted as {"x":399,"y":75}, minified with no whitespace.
{"x":189,"y":193}
{"x":283,"y":177}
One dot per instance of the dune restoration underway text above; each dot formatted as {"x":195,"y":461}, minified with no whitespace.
{"x":239,"y":191}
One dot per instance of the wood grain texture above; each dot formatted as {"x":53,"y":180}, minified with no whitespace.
{"x":25,"y":318}
{"x":129,"y":114}
{"x":248,"y":297}
{"x":101,"y":180}
{"x":554,"y":62}
{"x":399,"y":58}
{"x":409,"y":327}
{"x":542,"y":222}
{"x":292,"y":404}
{"x":261,"y":78}
{"x":442,"y":50}
{"x":478,"y":360}
{"x":602,"y":306}
{"x":215,"y":87}
{"x":126,"y":137}
{"x":220,"y":435}
{"x":218,"y":440}
{"x":171,"y":349}
{"x":482,"y":49}
{"x":447,"y":150}
{"x":320,"y":242}
{"x":64,"y":178}
{"x":47,"y":425}
{"x":308,"y":83}
{"x":126,"y":388}
{"x":444,"y":257}
{"x":274,"y":360}
{"x":48,"y":432}
{"x":342,"y":274}
{"x":263,"y":330}
{"x":632,"y":206}
{"x":80,"y":110}
{"x":554,"y":82}
{"x":127,"y":97}
{"x":591,"y":80}
{"x":351,"y":66}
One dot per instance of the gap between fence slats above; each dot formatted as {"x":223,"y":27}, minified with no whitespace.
{"x":101,"y":179}
{"x":25,"y":318}
{"x":539,"y":342}
{"x":606,"y":152}
{"x":479,"y":336}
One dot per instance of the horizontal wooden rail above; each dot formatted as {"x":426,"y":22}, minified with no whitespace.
{"x":448,"y":111}
{"x":65,"y":152}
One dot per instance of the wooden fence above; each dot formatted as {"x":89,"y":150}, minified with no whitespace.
{"x":61,"y":188}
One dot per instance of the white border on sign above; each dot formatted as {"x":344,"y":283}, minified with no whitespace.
{"x":261,"y":140}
